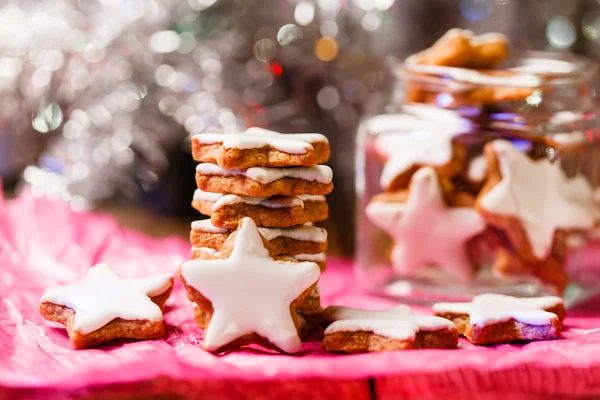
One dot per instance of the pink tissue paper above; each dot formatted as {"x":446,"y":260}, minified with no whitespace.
{"x":44,"y":243}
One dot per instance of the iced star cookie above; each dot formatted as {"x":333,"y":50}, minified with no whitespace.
{"x":495,"y":318}
{"x":226,"y":210}
{"x":531,"y":199}
{"x":426,"y":231}
{"x":260,"y":148}
{"x":353,"y":330}
{"x":421,"y":136}
{"x":105,"y":307}
{"x":265,"y":182}
{"x":303,"y":239}
{"x":248,"y":297}
{"x":461,"y":48}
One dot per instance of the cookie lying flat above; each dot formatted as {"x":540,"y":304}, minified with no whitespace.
{"x":105,"y":307}
{"x":354,"y":331}
{"x":461,"y":48}
{"x":226,"y":210}
{"x":265,"y":182}
{"x":530,"y":200}
{"x":247,"y":296}
{"x":261,"y":148}
{"x":495,"y":318}
{"x":303,"y":239}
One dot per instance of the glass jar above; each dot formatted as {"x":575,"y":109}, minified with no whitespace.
{"x":482,"y":181}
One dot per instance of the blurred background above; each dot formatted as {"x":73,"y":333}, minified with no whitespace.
{"x":98,"y":98}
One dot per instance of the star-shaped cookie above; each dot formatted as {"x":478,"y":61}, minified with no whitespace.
{"x":532,"y":199}
{"x":246,"y":295}
{"x":425,"y":230}
{"x":494,"y":318}
{"x":105,"y":306}
{"x":353,"y":330}
{"x":421,"y":136}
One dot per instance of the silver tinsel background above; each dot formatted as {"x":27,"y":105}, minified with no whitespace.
{"x":98,"y":97}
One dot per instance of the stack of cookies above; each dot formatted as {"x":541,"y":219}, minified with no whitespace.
{"x":273,"y":179}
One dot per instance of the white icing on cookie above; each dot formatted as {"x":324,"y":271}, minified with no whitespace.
{"x":316,"y":292}
{"x":396,"y":323}
{"x":319,"y":173}
{"x":304,"y":233}
{"x":421,"y":136}
{"x":575,"y":138}
{"x":486,"y":38}
{"x":493,"y":308}
{"x":425,"y":230}
{"x":104,"y":296}
{"x":519,"y":79}
{"x":545,"y":66}
{"x":320,"y":257}
{"x":270,"y":202}
{"x":308,"y":197}
{"x":540,"y":196}
{"x":255,"y":138}
{"x":477,"y":169}
{"x":400,"y":330}
{"x":201,"y":195}
{"x":206,"y":225}
{"x":207,"y":250}
{"x":250,"y":292}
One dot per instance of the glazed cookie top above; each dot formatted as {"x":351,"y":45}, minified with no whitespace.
{"x":221,"y":200}
{"x":423,"y":219}
{"x":201,"y":195}
{"x":396,"y":323}
{"x":421,"y":136}
{"x":320,"y":257}
{"x":538,"y":194}
{"x":265,"y":175}
{"x":269,"y":202}
{"x":305,"y":233}
{"x":253,"y":138}
{"x":104,"y":296}
{"x":492,"y":308}
{"x":250,"y":291}
{"x":206,"y":225}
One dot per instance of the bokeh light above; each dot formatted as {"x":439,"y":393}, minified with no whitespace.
{"x":265,"y":50}
{"x":560,"y":33}
{"x":329,"y":28}
{"x":289,"y":34}
{"x":328,"y":97}
{"x":304,"y":13}
{"x":326,"y":48}
{"x":476,"y":10}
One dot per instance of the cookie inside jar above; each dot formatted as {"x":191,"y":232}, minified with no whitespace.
{"x":483,"y":177}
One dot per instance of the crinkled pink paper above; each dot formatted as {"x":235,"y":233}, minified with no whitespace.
{"x":44,"y":243}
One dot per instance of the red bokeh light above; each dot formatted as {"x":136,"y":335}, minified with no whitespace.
{"x":275,"y":69}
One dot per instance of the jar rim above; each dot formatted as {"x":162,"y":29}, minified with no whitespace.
{"x":527,"y":68}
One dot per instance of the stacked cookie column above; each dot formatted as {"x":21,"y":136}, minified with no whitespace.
{"x":270,"y":177}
